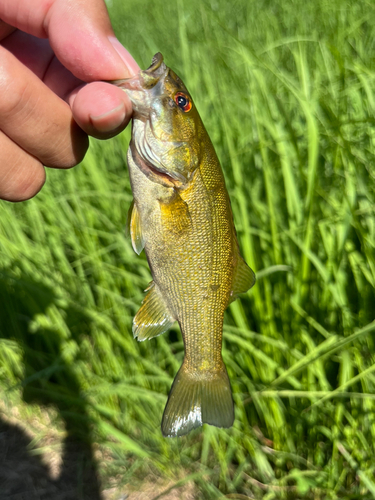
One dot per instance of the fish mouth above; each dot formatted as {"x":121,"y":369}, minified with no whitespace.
{"x":150,"y":76}
{"x":156,"y":62}
{"x":145,"y":79}
{"x":143,"y":87}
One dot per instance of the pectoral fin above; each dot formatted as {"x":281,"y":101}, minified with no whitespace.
{"x":153,"y":318}
{"x":243,"y":279}
{"x":135,"y":229}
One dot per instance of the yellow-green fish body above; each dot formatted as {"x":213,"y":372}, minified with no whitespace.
{"x":183,"y":219}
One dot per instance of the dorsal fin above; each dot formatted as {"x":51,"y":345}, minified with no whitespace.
{"x":243,"y":278}
{"x":135,"y":229}
{"x":153,"y":317}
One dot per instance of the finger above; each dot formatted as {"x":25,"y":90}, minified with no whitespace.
{"x":101,"y":114}
{"x":21,"y":175}
{"x":80,"y":34}
{"x":35,"y":53}
{"x":36,"y":118}
{"x":101,"y":110}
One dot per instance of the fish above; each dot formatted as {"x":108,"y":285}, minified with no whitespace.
{"x":182,"y":217}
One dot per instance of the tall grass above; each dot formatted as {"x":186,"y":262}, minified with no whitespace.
{"x":286,"y":91}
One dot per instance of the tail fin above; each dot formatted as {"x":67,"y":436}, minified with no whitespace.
{"x":198,"y":398}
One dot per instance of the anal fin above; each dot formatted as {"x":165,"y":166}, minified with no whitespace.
{"x":153,"y":317}
{"x":243,"y":279}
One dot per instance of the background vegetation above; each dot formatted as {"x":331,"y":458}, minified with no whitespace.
{"x":286,"y":91}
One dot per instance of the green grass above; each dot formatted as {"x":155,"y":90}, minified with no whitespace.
{"x":286,"y":91}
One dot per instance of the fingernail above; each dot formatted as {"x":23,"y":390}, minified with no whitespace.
{"x":109,"y":121}
{"x":130,"y":63}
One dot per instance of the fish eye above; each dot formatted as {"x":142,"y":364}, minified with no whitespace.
{"x":183,"y":102}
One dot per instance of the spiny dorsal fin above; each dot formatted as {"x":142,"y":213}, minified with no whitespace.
{"x":135,"y":229}
{"x":153,"y":317}
{"x":243,"y":279}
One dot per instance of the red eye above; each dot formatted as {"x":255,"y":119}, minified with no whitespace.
{"x":182,"y":101}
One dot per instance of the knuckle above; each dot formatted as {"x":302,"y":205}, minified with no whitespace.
{"x":14,"y":92}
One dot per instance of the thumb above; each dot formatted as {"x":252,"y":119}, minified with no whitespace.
{"x":82,"y":38}
{"x":79,"y":32}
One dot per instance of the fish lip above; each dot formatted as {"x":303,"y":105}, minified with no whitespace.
{"x":141,"y":87}
{"x":129,"y":84}
{"x":156,"y":63}
{"x":145,"y":79}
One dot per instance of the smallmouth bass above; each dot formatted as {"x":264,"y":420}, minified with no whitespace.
{"x":182,"y":217}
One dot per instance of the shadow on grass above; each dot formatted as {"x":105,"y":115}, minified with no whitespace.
{"x":23,"y":475}
{"x":48,"y":381}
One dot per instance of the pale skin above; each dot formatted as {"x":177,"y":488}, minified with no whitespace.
{"x":54,"y":55}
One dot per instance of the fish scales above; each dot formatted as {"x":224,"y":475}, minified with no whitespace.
{"x":182,"y":218}
{"x":202,"y":275}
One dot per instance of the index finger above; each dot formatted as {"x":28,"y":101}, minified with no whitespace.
{"x":80,"y":34}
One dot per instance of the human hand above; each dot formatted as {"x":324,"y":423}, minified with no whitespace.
{"x":48,"y":49}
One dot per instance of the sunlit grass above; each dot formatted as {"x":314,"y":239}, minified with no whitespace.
{"x":286,"y":92}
